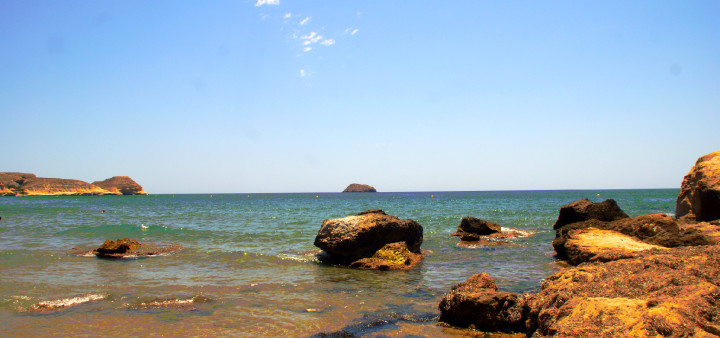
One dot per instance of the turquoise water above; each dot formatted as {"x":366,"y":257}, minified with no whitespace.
{"x":249,"y":267}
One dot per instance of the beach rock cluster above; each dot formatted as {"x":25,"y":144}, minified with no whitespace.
{"x":650,"y":275}
{"x":355,"y":187}
{"x":26,"y":184}
{"x":371,"y":239}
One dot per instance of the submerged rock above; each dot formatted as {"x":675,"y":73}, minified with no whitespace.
{"x":355,"y":187}
{"x":699,"y":196}
{"x":471,"y":228}
{"x":475,"y":232}
{"x":348,"y":239}
{"x":125,"y":248}
{"x":583,"y":210}
{"x":393,"y":256}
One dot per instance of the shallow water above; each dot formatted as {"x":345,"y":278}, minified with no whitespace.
{"x":249,"y":267}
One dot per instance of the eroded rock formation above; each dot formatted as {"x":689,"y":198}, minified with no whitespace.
{"x":699,"y":196}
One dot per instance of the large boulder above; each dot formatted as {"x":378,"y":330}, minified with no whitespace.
{"x":478,"y":304}
{"x":699,"y":196}
{"x":355,"y":187}
{"x":584,"y":209}
{"x":362,"y":235}
{"x":121,"y":184}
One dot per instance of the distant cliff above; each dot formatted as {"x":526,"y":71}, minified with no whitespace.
{"x":359,"y":188}
{"x":26,"y":184}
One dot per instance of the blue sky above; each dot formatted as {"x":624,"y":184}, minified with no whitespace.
{"x":310,"y":96}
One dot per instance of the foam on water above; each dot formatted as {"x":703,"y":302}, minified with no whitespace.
{"x":57,"y":304}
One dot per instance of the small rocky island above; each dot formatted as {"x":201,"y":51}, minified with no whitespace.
{"x":355,"y":187}
{"x":26,"y":184}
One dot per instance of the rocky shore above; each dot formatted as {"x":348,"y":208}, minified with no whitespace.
{"x":650,"y":275}
{"x":26,"y":184}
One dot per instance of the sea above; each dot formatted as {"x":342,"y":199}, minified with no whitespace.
{"x":249,"y":267}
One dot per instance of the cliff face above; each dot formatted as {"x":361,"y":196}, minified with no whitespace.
{"x":359,"y":188}
{"x":122,"y":184}
{"x":26,"y":184}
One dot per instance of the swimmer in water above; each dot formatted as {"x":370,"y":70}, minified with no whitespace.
{"x":102,"y":212}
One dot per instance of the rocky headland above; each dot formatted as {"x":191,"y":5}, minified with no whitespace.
{"x":371,"y":239}
{"x":26,"y":184}
{"x":650,"y":275}
{"x":355,"y":187}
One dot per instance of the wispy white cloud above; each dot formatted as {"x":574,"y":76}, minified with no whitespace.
{"x":303,"y":73}
{"x":287,"y":16}
{"x":351,"y":31}
{"x":304,"y":21}
{"x":267,"y":2}
{"x":307,"y":49}
{"x":311,"y":38}
{"x":328,"y":42}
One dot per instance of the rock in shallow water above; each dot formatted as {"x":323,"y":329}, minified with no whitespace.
{"x":125,"y":248}
{"x":365,"y":233}
{"x":583,"y":210}
{"x":371,"y":240}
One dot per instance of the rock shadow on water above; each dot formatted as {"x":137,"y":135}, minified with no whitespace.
{"x":381,"y":321}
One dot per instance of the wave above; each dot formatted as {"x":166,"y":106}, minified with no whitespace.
{"x":58,"y":304}
{"x":170,"y":303}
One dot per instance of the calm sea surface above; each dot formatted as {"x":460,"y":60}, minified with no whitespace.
{"x":249,"y":267}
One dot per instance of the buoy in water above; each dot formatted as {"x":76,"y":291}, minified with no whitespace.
{"x":316,"y":196}
{"x":598,"y":195}
{"x":431,"y":196}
